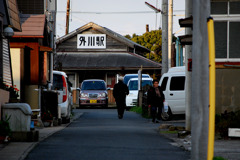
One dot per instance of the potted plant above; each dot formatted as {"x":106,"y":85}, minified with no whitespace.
{"x":5,"y":130}
{"x":13,"y":93}
{"x":47,"y":118}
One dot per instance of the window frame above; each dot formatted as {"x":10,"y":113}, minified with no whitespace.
{"x":227,"y":18}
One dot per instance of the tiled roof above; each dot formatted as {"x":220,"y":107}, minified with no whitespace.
{"x":107,"y":60}
{"x":32,"y":26}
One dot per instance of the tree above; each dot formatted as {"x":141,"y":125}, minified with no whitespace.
{"x":151,"y":40}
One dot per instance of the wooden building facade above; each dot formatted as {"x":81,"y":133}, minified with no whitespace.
{"x":96,"y":52}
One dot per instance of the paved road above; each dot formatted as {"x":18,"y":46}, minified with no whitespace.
{"x":100,"y":135}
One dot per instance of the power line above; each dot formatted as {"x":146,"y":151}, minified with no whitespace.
{"x":130,"y":12}
{"x":136,"y":12}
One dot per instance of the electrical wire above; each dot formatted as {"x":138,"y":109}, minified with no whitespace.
{"x":124,"y":12}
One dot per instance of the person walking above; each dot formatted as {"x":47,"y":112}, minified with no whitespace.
{"x":155,"y":99}
{"x":120,"y":91}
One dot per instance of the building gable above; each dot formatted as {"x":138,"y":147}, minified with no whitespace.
{"x":70,"y":45}
{"x":114,"y":41}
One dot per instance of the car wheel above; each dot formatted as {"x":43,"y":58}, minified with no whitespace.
{"x":66,"y":120}
{"x":79,"y":105}
{"x":68,"y":117}
{"x":167,"y":116}
{"x":106,"y":105}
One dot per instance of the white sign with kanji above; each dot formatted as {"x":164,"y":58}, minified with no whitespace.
{"x":91,"y":41}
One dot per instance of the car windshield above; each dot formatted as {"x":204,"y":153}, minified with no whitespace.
{"x":93,"y":85}
{"x":133,"y":85}
{"x":57,"y":82}
{"x":128,"y":77}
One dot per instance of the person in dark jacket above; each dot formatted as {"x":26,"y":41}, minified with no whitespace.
{"x":120,"y":91}
{"x":155,"y":99}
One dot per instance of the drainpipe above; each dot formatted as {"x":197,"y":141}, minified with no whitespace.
{"x":177,"y":52}
{"x":51,"y":62}
{"x":181,"y":55}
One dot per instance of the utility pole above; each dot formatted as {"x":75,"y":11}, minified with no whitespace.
{"x":188,"y":82}
{"x":67,"y":17}
{"x":200,"y":80}
{"x":170,"y":31}
{"x":164,"y":36}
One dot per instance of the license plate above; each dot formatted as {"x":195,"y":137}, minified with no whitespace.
{"x":93,"y":101}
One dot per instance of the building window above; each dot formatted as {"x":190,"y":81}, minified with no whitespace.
{"x":234,"y":7}
{"x":225,"y":7}
{"x":226,"y":15}
{"x":234,"y":37}
{"x":221,"y":39}
{"x":219,"y":7}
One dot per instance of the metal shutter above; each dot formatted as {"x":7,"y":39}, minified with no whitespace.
{"x":7,"y":74}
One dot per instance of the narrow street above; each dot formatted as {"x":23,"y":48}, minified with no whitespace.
{"x":99,"y":134}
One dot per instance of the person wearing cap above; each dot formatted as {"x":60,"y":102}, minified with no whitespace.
{"x":155,"y":99}
{"x":120,"y":91}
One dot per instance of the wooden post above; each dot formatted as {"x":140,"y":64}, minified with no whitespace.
{"x":67,"y":17}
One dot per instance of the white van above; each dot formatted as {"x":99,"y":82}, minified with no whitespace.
{"x":173,"y":86}
{"x":62,"y":86}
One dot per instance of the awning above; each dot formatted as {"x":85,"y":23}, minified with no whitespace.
{"x":107,"y":61}
{"x":45,"y":49}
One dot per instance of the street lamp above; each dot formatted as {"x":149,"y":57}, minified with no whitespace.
{"x":156,"y":11}
{"x":152,"y":7}
{"x":8,"y":32}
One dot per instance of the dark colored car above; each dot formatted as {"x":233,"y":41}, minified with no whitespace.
{"x":93,"y":93}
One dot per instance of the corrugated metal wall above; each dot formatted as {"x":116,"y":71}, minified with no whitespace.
{"x":6,"y":63}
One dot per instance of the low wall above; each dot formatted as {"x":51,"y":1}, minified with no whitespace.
{"x":227,"y":90}
{"x":4,"y":98}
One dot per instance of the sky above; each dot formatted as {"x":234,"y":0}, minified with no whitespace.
{"x":121,"y":16}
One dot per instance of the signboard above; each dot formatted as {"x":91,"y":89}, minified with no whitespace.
{"x":91,"y":41}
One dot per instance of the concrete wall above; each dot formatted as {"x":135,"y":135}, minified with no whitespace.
{"x":227,"y":90}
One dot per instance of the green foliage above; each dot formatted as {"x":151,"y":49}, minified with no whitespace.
{"x":136,"y":109}
{"x":4,"y":127}
{"x":225,"y":121}
{"x":139,"y":110}
{"x":151,"y":40}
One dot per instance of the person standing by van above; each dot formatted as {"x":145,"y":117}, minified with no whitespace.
{"x":120,"y":91}
{"x":155,"y":99}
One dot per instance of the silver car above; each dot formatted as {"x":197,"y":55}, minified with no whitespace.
{"x":62,"y":86}
{"x":93,"y":93}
